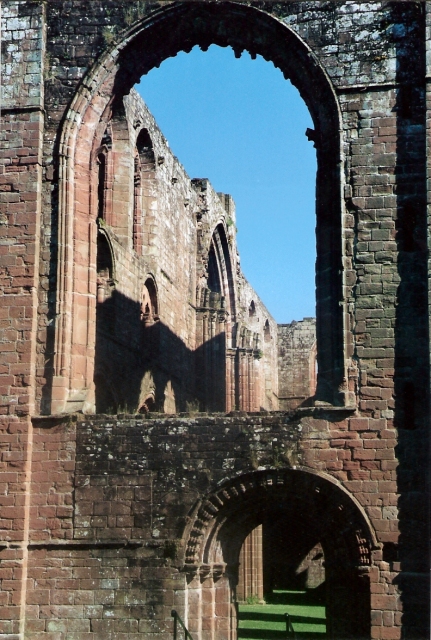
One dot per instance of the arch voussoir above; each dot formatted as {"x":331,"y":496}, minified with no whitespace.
{"x":338,"y":512}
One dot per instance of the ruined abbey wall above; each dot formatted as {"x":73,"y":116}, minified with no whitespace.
{"x":107,"y":522}
{"x":170,"y":221}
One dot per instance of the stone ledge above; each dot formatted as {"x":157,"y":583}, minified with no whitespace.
{"x":46,"y":422}
{"x":70,"y":544}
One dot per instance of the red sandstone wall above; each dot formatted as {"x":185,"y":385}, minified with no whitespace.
{"x":21,"y":134}
{"x":261,"y":322}
{"x":177,"y":220}
{"x":376,"y":446}
{"x":115,"y":555}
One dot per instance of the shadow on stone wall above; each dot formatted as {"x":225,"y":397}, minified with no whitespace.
{"x":286,"y":547}
{"x":411,"y":382}
{"x":141,"y":367}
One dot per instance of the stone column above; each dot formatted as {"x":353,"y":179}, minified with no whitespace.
{"x":250,"y":575}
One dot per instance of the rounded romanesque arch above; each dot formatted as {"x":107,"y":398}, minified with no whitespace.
{"x":315,"y":502}
{"x":160,"y":35}
{"x":317,"y":493}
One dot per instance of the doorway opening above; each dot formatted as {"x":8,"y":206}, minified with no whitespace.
{"x":281,"y":579}
{"x":318,"y":543}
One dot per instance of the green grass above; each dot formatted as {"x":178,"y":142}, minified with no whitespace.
{"x":267,"y":621}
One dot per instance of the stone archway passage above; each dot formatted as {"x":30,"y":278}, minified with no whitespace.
{"x":315,"y":503}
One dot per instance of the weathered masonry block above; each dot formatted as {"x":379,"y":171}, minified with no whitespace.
{"x":110,"y":253}
{"x":297,"y":362}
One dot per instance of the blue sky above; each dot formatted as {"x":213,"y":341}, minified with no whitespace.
{"x":239,"y":123}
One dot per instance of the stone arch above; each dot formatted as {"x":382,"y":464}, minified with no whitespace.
{"x":103,"y":167}
{"x":267,"y":331}
{"x":215,"y":311}
{"x":219,"y":248}
{"x":160,"y":35}
{"x":144,"y":188}
{"x":225,"y":517}
{"x":106,"y":398}
{"x":147,"y":399}
{"x":150,"y":334}
{"x":150,"y":302}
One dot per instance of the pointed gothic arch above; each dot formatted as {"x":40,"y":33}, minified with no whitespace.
{"x":219,"y":261}
{"x":160,"y":35}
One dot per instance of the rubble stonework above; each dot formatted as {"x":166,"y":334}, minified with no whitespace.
{"x":109,"y":522}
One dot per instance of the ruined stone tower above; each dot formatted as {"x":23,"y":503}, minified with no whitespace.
{"x":140,"y":438}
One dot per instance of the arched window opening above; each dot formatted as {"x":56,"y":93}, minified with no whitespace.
{"x":104,"y":266}
{"x":205,"y":27}
{"x":106,"y":400}
{"x":252,"y":310}
{"x":149,"y":306}
{"x":267,"y":331}
{"x":148,"y":406}
{"x":145,"y":149}
{"x":215,"y":377}
{"x":296,"y":236}
{"x":214,"y":283}
{"x":144,"y":191}
{"x":220,"y":256}
{"x":101,"y":185}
